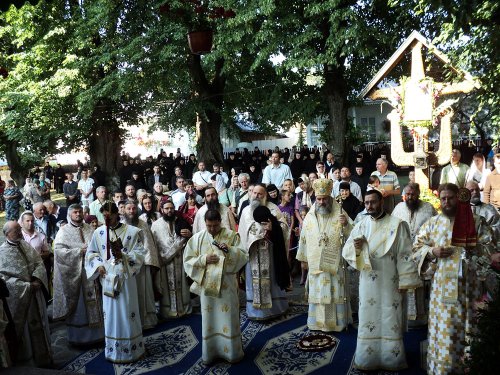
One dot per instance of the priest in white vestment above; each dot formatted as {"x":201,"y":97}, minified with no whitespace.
{"x":171,"y":233}
{"x":212,"y":258}
{"x":23,"y":270}
{"x":325,"y":229}
{"x":266,"y":280}
{"x":454,"y":249}
{"x":415,"y":213}
{"x":212,"y":203}
{"x":116,"y":254}
{"x":76,"y":299}
{"x":146,"y":276}
{"x":380,"y":248}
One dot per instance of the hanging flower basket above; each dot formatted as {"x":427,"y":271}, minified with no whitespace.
{"x":3,"y":72}
{"x":200,"y":42}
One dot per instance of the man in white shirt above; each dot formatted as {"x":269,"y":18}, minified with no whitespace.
{"x":389,"y":184}
{"x":241,"y":194}
{"x":178,"y":196}
{"x":86,"y":187}
{"x":276,"y":173}
{"x":201,"y":179}
{"x":95,"y":206}
{"x":218,"y":170}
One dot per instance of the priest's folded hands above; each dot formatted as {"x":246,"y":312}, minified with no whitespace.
{"x":442,"y":251}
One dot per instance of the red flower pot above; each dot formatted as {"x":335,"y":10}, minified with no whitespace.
{"x":200,"y":42}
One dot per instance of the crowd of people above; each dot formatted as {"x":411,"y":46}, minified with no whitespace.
{"x":115,"y":263}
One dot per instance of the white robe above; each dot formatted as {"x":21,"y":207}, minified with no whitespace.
{"x":217,"y":285}
{"x":320,"y":246}
{"x":228,"y":220}
{"x":122,"y":321}
{"x":385,"y":266}
{"x":145,"y":291}
{"x":76,"y":299}
{"x":176,"y":299}
{"x":415,"y":220}
{"x":18,"y":266}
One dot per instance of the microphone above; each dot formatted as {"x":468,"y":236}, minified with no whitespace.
{"x":218,"y":245}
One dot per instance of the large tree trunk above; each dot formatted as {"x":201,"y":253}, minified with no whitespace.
{"x":105,"y":143}
{"x":18,"y":172}
{"x":336,"y":96}
{"x":209,"y":146}
{"x":208,"y":126}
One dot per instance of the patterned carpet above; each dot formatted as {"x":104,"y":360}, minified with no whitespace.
{"x":270,"y":348}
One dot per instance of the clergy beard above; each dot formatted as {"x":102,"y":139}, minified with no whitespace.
{"x":168,"y":218}
{"x":213,"y":205}
{"x":132,"y":220}
{"x":476,"y":200}
{"x":324,"y":210}
{"x":412,"y":204}
{"x":449,"y":211}
{"x":77,"y":223}
{"x":256,"y":202}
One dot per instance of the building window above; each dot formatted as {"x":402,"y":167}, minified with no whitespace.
{"x":368,"y":127}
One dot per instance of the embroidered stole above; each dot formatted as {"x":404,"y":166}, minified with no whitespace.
{"x":450,"y":268}
{"x":326,"y":256}
{"x":260,"y":264}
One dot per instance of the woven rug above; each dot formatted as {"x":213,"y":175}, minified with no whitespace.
{"x":270,"y":348}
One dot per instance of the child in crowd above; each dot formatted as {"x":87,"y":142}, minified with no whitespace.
{"x":289,"y":186}
{"x":373,"y":183}
{"x":303,"y":210}
{"x":92,"y":220}
{"x":287,"y":208}
{"x":86,"y":211}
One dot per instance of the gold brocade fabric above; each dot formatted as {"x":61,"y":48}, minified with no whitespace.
{"x":69,"y":277}
{"x":214,"y":278}
{"x":261,"y":279}
{"x":455,"y":290}
{"x":320,"y":246}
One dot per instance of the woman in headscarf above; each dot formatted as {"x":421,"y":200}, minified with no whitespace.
{"x":159,"y":197}
{"x":478,"y":171}
{"x":149,"y":214}
{"x":92,"y":220}
{"x":349,"y":203}
{"x":189,"y":208}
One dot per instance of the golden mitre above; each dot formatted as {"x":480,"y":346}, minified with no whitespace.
{"x":323,"y":187}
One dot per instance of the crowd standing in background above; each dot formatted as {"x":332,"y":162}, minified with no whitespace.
{"x":114,"y":263}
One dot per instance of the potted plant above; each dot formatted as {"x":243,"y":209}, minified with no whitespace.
{"x":3,"y":72}
{"x":200,"y":19}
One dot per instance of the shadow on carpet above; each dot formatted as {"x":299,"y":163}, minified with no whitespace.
{"x":270,"y":348}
